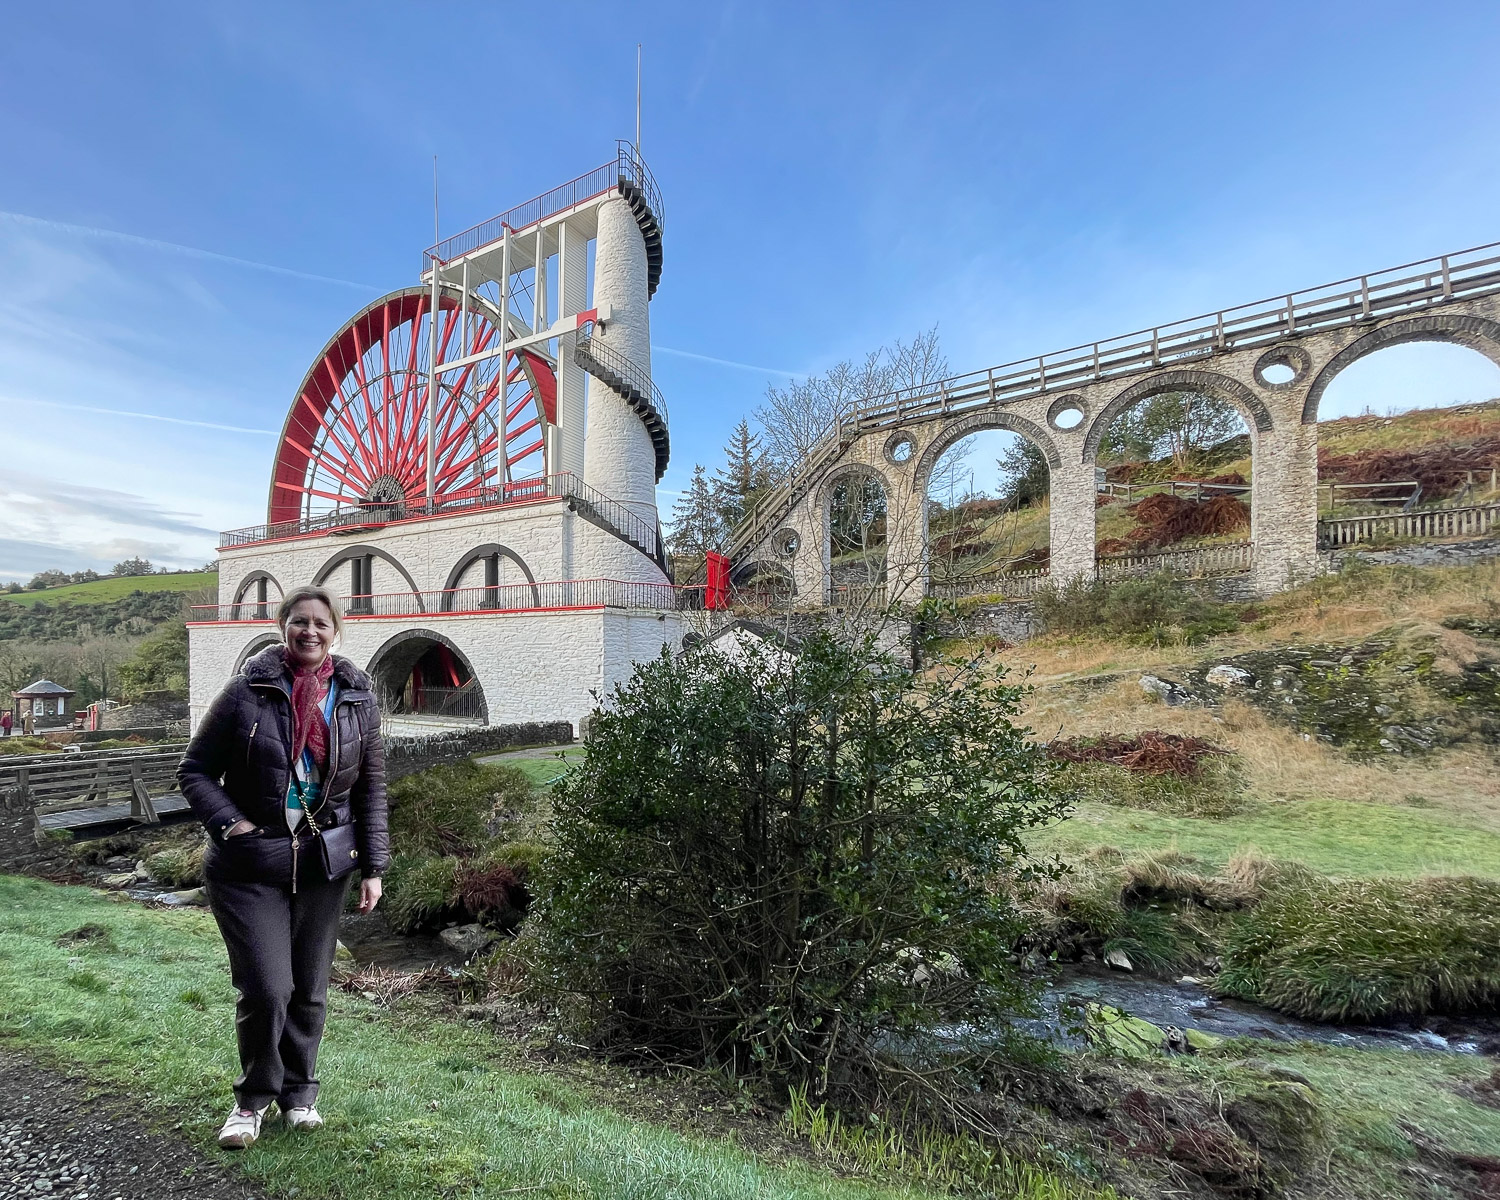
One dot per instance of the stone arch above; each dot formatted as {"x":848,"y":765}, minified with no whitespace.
{"x":846,"y":471}
{"x":745,"y":572}
{"x":976,"y":423}
{"x":486,"y":551}
{"x":1477,"y":333}
{"x":253,"y":647}
{"x":398,"y":654}
{"x":349,"y":552}
{"x":1209,"y":383}
{"x":248,"y":581}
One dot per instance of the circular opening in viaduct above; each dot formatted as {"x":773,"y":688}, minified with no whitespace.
{"x":1282,"y":366}
{"x":900,"y":448}
{"x":1066,"y":413}
{"x":787,"y":543}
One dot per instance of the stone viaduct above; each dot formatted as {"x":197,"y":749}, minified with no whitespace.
{"x":1271,"y":360}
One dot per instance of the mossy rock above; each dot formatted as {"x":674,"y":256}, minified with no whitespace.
{"x":1130,"y":1037}
{"x":1281,"y":1119}
{"x":1400,"y":694}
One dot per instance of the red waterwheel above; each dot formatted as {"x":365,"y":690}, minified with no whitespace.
{"x":356,"y":435}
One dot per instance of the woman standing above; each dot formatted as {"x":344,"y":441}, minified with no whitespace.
{"x":287,"y":774}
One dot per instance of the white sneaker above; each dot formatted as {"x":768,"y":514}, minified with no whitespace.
{"x":241,"y":1128}
{"x":303,"y":1118}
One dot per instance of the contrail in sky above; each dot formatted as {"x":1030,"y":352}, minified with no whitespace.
{"x":144,"y":416}
{"x":725,"y":362}
{"x":131,"y":239}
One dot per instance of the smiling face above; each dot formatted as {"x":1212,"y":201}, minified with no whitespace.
{"x":309,"y":632}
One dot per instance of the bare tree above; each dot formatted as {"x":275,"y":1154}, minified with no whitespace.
{"x":797,"y":416}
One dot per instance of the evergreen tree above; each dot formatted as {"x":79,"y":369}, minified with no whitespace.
{"x":743,"y":476}
{"x":698,"y":524}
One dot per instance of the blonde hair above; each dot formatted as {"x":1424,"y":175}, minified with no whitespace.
{"x":309,"y":592}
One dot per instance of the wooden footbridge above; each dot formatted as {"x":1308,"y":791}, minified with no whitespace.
{"x":95,"y":792}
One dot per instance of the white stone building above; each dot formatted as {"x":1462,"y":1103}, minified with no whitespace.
{"x":491,"y":522}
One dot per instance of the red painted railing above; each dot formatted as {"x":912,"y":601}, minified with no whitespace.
{"x":551,"y":596}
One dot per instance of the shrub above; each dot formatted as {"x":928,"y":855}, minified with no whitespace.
{"x":1368,"y":949}
{"x":1157,"y":608}
{"x":492,"y":893}
{"x":420,"y":892}
{"x":177,"y":866}
{"x":454,"y":809}
{"x":760,"y":852}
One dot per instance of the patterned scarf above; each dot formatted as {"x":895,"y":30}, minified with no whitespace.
{"x":309,"y":729}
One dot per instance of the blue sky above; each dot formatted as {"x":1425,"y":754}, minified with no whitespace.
{"x":195,"y":196}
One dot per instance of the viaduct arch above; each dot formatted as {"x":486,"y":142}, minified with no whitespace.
{"x":1311,"y":336}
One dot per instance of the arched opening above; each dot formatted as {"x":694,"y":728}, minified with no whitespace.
{"x":856,"y":517}
{"x":489,"y":576}
{"x":422,"y":674}
{"x":1406,"y":426}
{"x":1174,"y":460}
{"x":254,"y":647}
{"x":763,"y":584}
{"x":988,"y":512}
{"x":370,"y":576}
{"x":256,"y":597}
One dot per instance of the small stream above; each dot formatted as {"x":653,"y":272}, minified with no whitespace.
{"x":1188,"y":1003}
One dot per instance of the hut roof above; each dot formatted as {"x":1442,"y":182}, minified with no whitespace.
{"x":42,"y":687}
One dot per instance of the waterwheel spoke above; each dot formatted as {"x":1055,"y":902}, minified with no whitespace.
{"x":359,"y":431}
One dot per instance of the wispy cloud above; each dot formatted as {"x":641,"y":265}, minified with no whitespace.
{"x":144,"y":416}
{"x":20,"y":491}
{"x":726,"y":362}
{"x":131,"y":239}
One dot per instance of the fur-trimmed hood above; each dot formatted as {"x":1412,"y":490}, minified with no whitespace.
{"x":269,"y":666}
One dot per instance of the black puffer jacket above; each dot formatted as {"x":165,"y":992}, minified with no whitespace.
{"x":238,"y":767}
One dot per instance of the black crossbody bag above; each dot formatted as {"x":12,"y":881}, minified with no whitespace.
{"x":336,"y":844}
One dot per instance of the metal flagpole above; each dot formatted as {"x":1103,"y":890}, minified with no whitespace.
{"x":638,"y":99}
{"x":432,"y":353}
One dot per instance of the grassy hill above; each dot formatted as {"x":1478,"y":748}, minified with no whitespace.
{"x":106,"y":591}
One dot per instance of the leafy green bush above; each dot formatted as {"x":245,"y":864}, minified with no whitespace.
{"x":420,"y":892}
{"x":454,"y":809}
{"x":1367,"y":949}
{"x":759,"y":853}
{"x":1155,"y":609}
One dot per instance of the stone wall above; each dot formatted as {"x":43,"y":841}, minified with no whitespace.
{"x":1432,"y":554}
{"x":19,"y":848}
{"x":406,"y":755}
{"x":142,"y":714}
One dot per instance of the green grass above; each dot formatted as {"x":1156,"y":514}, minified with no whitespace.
{"x":1368,"y":1098}
{"x":416,"y":1106}
{"x":544,"y":771}
{"x":1337,"y":837}
{"x":101,"y":591}
{"x":1367,"y":949}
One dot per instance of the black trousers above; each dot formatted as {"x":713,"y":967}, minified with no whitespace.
{"x":281,"y":948}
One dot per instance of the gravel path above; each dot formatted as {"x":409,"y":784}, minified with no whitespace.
{"x":55,"y":1140}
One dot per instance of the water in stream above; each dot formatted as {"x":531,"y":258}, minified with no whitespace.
{"x":1188,"y":1003}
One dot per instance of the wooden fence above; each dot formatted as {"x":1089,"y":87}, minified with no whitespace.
{"x":1473,"y":521}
